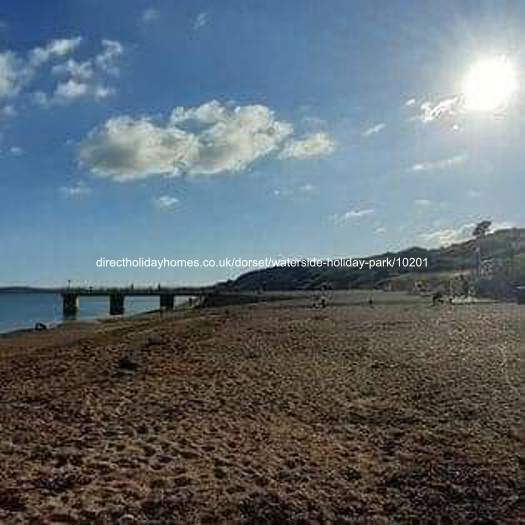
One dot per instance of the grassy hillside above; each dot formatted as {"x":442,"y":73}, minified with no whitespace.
{"x":503,"y":251}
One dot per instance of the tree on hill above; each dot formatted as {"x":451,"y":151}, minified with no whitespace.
{"x":481,"y":229}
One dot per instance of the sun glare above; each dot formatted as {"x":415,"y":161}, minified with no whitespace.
{"x":489,"y":84}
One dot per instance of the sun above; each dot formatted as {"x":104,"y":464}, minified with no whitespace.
{"x":489,"y":84}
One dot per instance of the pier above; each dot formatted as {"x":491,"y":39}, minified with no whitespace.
{"x":71,"y":296}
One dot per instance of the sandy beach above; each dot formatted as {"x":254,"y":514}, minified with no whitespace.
{"x":273,"y":413}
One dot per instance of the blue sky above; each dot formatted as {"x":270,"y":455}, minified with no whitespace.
{"x":249,"y":129}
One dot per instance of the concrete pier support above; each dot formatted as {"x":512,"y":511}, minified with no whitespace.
{"x":167,"y":301}
{"x":69,"y":304}
{"x":116,"y":304}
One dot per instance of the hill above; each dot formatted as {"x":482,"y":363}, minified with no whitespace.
{"x":502,"y":255}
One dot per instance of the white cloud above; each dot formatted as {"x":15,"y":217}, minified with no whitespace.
{"x":54,"y":49}
{"x":205,"y":140}
{"x":16,"y":151}
{"x":12,"y":74}
{"x":106,"y":60}
{"x":86,"y":79}
{"x":314,"y":145}
{"x":104,"y":63}
{"x":230,"y":139}
{"x":8,"y":111}
{"x":410,"y":102}
{"x":201,"y":20}
{"x":447,"y":236}
{"x":359,"y":213}
{"x":503,"y":225}
{"x":423,"y":203}
{"x":445,"y":108}
{"x":207,"y":113}
{"x":351,"y":215}
{"x":101,"y":92}
{"x":307,"y":188}
{"x":312,"y":123}
{"x":374,"y":129}
{"x":441,"y":164}
{"x":40,"y":98}
{"x":150,"y":15}
{"x":80,"y":189}
{"x":209,"y":139}
{"x":381,"y":229}
{"x":72,"y":68}
{"x":127,"y":149}
{"x":166,"y":202}
{"x":71,"y":89}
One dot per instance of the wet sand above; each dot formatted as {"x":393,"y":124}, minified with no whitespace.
{"x":274,"y":413}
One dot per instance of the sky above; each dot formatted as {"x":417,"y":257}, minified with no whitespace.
{"x":250,"y":129}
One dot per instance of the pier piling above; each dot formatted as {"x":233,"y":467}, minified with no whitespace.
{"x":116,"y":304}
{"x":69,"y":304}
{"x":167,"y":301}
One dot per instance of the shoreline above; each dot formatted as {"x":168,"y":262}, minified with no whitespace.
{"x":66,"y":324}
{"x":71,"y":324}
{"x":245,"y":298}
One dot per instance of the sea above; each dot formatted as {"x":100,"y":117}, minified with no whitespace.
{"x":23,"y":310}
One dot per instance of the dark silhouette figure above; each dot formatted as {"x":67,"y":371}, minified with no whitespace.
{"x":437,"y":298}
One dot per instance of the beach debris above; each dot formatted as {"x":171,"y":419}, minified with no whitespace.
{"x":220,"y":472}
{"x":57,"y":484}
{"x":65,"y":455}
{"x":127,"y":519}
{"x":11,"y":501}
{"x":142,"y":428}
{"x":40,"y":327}
{"x":129,"y":362}
{"x":153,"y":340}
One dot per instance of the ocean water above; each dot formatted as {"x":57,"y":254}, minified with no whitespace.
{"x":23,"y":310}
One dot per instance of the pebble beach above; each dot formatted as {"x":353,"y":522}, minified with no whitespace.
{"x":273,"y":413}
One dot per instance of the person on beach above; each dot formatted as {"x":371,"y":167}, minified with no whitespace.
{"x":437,"y":298}
{"x":320,"y":301}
